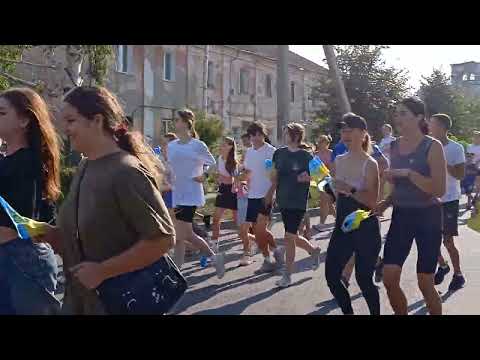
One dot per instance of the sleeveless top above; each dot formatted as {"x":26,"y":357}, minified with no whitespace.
{"x":405,"y":193}
{"x":360,"y":182}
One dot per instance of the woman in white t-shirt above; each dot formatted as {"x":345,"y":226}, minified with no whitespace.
{"x":226,"y":199}
{"x":187,"y":157}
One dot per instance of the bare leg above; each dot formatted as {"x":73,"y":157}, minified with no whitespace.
{"x":430,"y":294}
{"x":391,"y":280}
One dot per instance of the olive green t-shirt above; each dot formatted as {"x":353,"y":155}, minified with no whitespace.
{"x":119,"y":205}
{"x":291,"y":194}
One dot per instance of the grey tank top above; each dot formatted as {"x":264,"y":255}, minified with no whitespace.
{"x":406,"y":194}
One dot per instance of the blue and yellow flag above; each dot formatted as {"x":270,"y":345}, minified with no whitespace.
{"x":353,"y":220}
{"x":27,"y":228}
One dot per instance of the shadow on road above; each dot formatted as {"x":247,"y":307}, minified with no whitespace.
{"x":238,"y":307}
{"x":422,"y":308}
{"x":197,"y":296}
{"x":325,"y":307}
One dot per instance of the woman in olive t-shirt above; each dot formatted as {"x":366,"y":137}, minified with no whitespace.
{"x":123,"y":223}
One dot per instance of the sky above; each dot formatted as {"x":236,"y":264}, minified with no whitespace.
{"x":419,"y":60}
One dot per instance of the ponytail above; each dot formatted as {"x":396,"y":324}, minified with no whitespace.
{"x":367,"y":144}
{"x":193,"y":132}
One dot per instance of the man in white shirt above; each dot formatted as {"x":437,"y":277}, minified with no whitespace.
{"x":387,"y":139}
{"x":439,"y":125}
{"x":259,"y":183}
{"x":475,"y":147}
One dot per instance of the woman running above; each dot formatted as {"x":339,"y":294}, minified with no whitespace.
{"x":291,"y":181}
{"x":113,"y":220}
{"x":418,"y":174}
{"x":188,"y":157}
{"x":30,"y":183}
{"x":356,"y":183}
{"x":227,"y":166}
{"x":327,"y":198}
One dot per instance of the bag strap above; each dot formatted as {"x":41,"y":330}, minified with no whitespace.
{"x":82,"y":171}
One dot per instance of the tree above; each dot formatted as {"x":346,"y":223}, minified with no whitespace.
{"x":209,"y":128}
{"x":372,"y":87}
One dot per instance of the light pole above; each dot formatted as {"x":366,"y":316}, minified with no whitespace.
{"x":337,"y":78}
{"x":283,"y":109}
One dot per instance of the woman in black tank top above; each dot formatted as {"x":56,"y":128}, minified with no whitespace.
{"x":30,"y":183}
{"x":418,"y":176}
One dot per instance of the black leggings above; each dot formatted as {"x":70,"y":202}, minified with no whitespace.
{"x":365,"y":243}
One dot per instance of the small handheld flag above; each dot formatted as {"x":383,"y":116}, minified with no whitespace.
{"x":27,"y":228}
{"x":157,"y":150}
{"x":353,"y":220}
{"x":318,"y":171}
{"x":268,"y":164}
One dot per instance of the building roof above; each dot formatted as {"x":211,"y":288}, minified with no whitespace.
{"x":270,"y":51}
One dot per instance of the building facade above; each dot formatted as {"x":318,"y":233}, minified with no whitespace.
{"x":467,"y":77}
{"x":152,"y":81}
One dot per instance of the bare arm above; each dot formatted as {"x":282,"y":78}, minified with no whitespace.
{"x":435,"y":184}
{"x":457,"y":171}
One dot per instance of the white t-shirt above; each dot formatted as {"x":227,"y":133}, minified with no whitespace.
{"x":259,"y":183}
{"x":474,"y":149}
{"x":188,"y":161}
{"x":385,"y":145}
{"x":455,"y":155}
{"x":222,"y":170}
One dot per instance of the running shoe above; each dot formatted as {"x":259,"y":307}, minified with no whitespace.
{"x":458,"y":281}
{"x":219,"y":261}
{"x":379,"y":272}
{"x":315,"y":256}
{"x":245,"y":260}
{"x":266,"y":267}
{"x":285,"y":281}
{"x":440,"y":275}
{"x":279,"y":255}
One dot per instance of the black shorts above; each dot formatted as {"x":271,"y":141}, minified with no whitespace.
{"x":422,"y":224}
{"x":450,"y":218}
{"x":226,"y":199}
{"x":292,"y":218}
{"x":185,"y":213}
{"x":255,"y":207}
{"x":329,"y":191}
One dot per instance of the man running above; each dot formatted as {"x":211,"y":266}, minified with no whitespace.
{"x":258,"y":213}
{"x":440,"y":124}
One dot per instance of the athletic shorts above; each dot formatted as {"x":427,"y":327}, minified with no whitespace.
{"x":242,"y":205}
{"x":292,"y":218}
{"x":329,"y":191}
{"x":255,"y":207}
{"x":167,"y":198}
{"x":450,"y":218}
{"x":226,"y":199}
{"x":422,"y":224}
{"x":185,"y":213}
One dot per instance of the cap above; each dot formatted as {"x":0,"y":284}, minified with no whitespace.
{"x":353,"y":121}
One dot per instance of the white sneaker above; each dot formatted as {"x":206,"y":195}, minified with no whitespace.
{"x":315,"y":256}
{"x":285,"y":281}
{"x":219,"y":261}
{"x":266,"y":267}
{"x":279,"y":255}
{"x":245,"y":260}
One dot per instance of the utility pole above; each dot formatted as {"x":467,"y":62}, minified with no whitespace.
{"x":205,"y":80}
{"x":337,"y":78}
{"x":283,"y":104}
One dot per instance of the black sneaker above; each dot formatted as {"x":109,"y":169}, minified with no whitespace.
{"x":458,"y":281}
{"x":440,"y":275}
{"x":379,"y":272}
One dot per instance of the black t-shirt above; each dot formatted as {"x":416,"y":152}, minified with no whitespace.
{"x":17,"y":184}
{"x":291,"y":194}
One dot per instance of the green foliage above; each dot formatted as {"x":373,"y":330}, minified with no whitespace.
{"x":9,"y":52}
{"x":372,"y":86}
{"x":66,"y":176}
{"x":209,"y":128}
{"x":99,"y":58}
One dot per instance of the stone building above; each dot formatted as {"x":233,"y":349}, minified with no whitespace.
{"x":152,"y":81}
{"x":467,"y":77}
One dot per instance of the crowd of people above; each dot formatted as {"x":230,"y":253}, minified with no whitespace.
{"x":128,"y":205}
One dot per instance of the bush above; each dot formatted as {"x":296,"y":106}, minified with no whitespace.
{"x":209,"y":128}
{"x":66,"y":176}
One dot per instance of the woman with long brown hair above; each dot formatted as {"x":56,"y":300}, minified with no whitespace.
{"x":227,"y":168}
{"x":114,"y":220}
{"x":188,"y":156}
{"x":30,"y":183}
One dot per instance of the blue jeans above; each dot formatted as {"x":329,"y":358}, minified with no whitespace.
{"x":28,"y":279}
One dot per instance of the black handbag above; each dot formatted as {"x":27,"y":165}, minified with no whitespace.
{"x":153,"y":290}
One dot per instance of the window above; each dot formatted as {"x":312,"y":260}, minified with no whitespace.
{"x":168,"y":66}
{"x":292,"y":92}
{"x":465,"y":77}
{"x":210,"y":75}
{"x":268,"y":85}
{"x":472,"y":77}
{"x":122,"y":58}
{"x":243,"y":81}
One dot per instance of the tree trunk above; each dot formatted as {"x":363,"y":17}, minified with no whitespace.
{"x":337,"y":78}
{"x":283,"y":105}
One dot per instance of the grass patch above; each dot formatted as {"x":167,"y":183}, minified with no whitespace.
{"x":474,"y":223}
